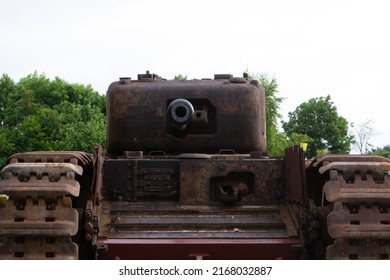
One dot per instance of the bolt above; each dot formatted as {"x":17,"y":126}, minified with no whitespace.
{"x":124,"y":80}
{"x":88,"y":214}
{"x":243,"y":189}
{"x":316,"y":213}
{"x":88,"y":237}
{"x":88,"y":226}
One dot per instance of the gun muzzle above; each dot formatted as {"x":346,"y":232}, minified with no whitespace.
{"x":180,"y":112}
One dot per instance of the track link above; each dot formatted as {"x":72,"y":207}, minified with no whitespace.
{"x":359,"y":190}
{"x":37,"y":220}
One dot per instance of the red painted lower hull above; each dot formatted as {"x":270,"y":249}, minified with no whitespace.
{"x":217,"y":249}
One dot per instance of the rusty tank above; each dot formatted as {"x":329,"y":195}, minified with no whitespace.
{"x":186,"y":175}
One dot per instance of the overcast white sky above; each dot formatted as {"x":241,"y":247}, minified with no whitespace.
{"x":313,"y":48}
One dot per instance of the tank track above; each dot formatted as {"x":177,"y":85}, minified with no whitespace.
{"x":37,"y":220}
{"x":358,"y":190}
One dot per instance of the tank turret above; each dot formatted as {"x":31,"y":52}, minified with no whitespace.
{"x":195,"y":116}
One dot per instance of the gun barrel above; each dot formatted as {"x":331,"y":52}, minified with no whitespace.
{"x":180,"y":112}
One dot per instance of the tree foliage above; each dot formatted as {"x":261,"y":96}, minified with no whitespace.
{"x":276,"y":141}
{"x":318,"y":119}
{"x":37,"y":113}
{"x":180,"y":77}
{"x":383,"y":152}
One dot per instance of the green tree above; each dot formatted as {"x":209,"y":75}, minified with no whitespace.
{"x":318,"y":119}
{"x":7,"y":87}
{"x":38,"y":113}
{"x":383,"y":152}
{"x":276,"y":140}
{"x":6,"y":146}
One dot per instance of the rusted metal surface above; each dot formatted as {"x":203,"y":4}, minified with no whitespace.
{"x":361,"y":167}
{"x":49,"y":179}
{"x":192,"y":164}
{"x":40,"y":168}
{"x":92,"y":211}
{"x":129,"y":220}
{"x":359,"y":188}
{"x":362,"y":249}
{"x":37,"y":248}
{"x":41,"y":187}
{"x":139,"y":117}
{"x":360,"y":221}
{"x":192,"y":171}
{"x":358,"y":191}
{"x":63,"y":156}
{"x":132,"y":179}
{"x":37,"y":221}
{"x":196,"y":197}
{"x":296,"y":189}
{"x":196,"y":181}
{"x":323,"y":160}
{"x":361,"y":193}
{"x":38,"y":218}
